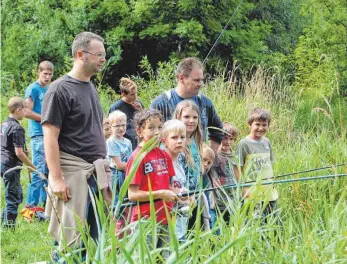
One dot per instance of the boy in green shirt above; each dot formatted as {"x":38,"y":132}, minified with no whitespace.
{"x":255,"y":158}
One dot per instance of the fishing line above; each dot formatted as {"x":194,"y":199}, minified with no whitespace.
{"x":223,"y":30}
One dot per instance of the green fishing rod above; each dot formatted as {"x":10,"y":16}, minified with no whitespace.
{"x":283,"y":175}
{"x":243,"y":185}
{"x":309,"y":170}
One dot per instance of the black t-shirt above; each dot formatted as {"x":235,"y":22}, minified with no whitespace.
{"x":130,"y":111}
{"x":12,"y":135}
{"x":74,"y":106}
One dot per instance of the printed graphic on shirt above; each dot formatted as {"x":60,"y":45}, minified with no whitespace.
{"x":257,"y":167}
{"x":159,"y":166}
{"x":176,"y":184}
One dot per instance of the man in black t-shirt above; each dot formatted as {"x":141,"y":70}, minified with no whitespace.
{"x":13,"y":153}
{"x":72,"y":125}
{"x":129,"y":105}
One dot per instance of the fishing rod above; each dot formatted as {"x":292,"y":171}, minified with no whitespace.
{"x":242,"y":185}
{"x":282,"y":175}
{"x":300,"y":172}
{"x":309,"y":170}
{"x":42,"y":176}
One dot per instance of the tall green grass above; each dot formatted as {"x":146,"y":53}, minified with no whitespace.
{"x":305,"y":132}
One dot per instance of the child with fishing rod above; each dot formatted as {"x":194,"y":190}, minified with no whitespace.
{"x":173,"y":137}
{"x":13,"y":153}
{"x":188,"y":112}
{"x":255,"y":159}
{"x":224,"y":172}
{"x":152,"y":179}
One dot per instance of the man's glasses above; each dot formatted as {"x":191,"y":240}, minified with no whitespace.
{"x":100,"y":55}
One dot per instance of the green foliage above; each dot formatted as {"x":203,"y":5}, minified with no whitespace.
{"x":304,"y":134}
{"x":33,"y":31}
{"x":321,"y":52}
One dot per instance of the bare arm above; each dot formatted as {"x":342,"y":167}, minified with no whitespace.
{"x":214,"y":145}
{"x":119,"y":164}
{"x":23,"y":157}
{"x":135,"y":194}
{"x":56,"y":180}
{"x":29,"y":113}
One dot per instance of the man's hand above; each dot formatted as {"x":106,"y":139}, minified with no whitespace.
{"x":168,"y":196}
{"x":60,"y":189}
{"x":32,"y":169}
{"x":137,"y":106}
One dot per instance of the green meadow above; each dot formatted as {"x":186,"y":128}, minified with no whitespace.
{"x":307,"y":131}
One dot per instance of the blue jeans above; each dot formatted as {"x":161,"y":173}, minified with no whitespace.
{"x":36,"y":192}
{"x":213,"y":218}
{"x":13,"y":193}
{"x":117,"y":179}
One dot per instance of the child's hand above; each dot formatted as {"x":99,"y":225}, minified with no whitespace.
{"x":175,"y":190}
{"x":181,"y":191}
{"x":192,"y":201}
{"x":217,"y":183}
{"x":168,"y":196}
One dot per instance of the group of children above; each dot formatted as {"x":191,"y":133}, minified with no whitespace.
{"x":182,"y":163}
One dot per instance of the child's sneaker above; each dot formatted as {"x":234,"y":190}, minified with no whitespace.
{"x":8,"y":221}
{"x":40,"y":216}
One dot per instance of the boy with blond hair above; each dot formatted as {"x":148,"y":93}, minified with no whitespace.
{"x":255,"y":160}
{"x":129,"y":105}
{"x":119,"y":150}
{"x":173,"y":137}
{"x":13,"y":153}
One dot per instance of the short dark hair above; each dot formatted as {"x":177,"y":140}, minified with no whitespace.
{"x":141,"y":117}
{"x":230,"y":129}
{"x":186,"y":66}
{"x":82,"y":40}
{"x":259,"y":114}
